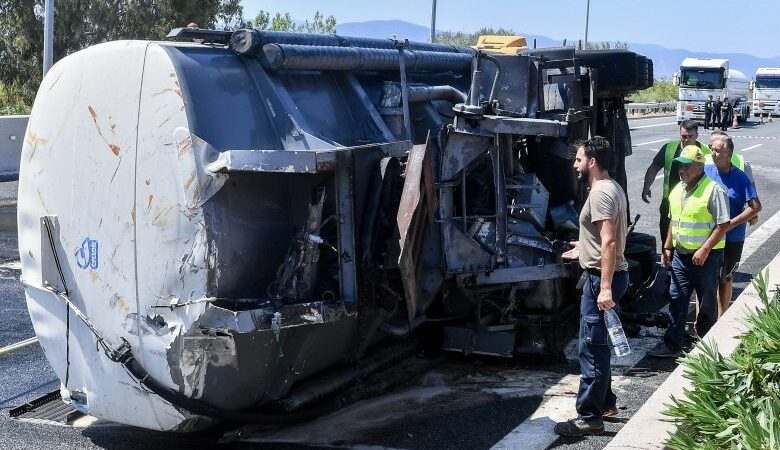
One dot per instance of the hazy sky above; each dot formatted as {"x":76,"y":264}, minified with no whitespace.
{"x":708,"y":25}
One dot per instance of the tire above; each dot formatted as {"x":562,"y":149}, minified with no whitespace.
{"x":650,"y":75}
{"x":642,"y":238}
{"x":617,"y":69}
{"x":644,"y":72}
{"x":634,"y":272}
{"x":641,"y":71}
{"x":645,"y":256}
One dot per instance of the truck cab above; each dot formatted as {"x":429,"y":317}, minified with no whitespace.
{"x":766,"y":91}
{"x":699,"y":78}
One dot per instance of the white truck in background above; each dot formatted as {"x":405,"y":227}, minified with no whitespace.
{"x":766,"y":91}
{"x":699,"y":78}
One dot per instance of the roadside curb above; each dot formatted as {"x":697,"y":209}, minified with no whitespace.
{"x":648,"y":428}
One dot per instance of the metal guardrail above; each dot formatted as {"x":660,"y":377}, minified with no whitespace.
{"x":652,"y":107}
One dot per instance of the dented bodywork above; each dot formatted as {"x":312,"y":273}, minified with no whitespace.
{"x":219,"y":229}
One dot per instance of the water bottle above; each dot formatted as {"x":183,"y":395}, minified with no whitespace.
{"x":616,"y":334}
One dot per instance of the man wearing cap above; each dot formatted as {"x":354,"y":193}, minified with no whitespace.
{"x":665,"y":159}
{"x":743,"y":205}
{"x":699,"y":213}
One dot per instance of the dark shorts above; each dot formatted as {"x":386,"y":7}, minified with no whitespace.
{"x":731,"y":256}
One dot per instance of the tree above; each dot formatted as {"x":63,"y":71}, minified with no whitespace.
{"x":319,"y":24}
{"x":606,"y":45}
{"x":81,"y":23}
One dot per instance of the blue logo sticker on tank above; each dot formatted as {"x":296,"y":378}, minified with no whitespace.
{"x":87,"y":255}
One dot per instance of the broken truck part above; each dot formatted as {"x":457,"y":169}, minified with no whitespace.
{"x":239,"y":228}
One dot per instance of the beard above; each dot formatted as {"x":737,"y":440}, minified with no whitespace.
{"x":582,"y":175}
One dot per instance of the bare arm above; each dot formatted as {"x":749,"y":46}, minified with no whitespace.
{"x":666,"y":251}
{"x":650,"y":174}
{"x":608,"y":260}
{"x":752,"y":210}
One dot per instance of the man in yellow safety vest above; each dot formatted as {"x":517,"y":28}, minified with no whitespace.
{"x":699,"y":219}
{"x":665,"y":159}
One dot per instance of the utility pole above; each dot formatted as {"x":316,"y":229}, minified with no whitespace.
{"x":48,"y":35}
{"x":587,"y":17}
{"x":433,"y":21}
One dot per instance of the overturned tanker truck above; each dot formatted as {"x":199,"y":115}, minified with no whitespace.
{"x":235,"y":226}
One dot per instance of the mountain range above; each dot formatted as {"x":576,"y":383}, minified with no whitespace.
{"x":666,"y":61}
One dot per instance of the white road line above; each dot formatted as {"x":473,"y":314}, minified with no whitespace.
{"x":651,"y":142}
{"x":654,"y":125}
{"x":752,"y":147}
{"x":767,"y":171}
{"x":536,"y":432}
{"x":759,"y":236}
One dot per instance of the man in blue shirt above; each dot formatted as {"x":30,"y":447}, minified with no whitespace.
{"x":743,"y":205}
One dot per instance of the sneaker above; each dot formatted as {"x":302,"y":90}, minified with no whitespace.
{"x":663,"y":351}
{"x":578,"y":427}
{"x":610,"y":413}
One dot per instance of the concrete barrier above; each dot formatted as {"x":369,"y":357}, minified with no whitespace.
{"x":648,"y":428}
{"x":12,"y":135}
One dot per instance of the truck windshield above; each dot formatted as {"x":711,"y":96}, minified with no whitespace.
{"x":702,"y":78}
{"x":768,"y":82}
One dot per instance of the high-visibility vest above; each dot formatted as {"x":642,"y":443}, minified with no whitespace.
{"x":737,"y":161}
{"x":693,"y":224}
{"x":669,"y":150}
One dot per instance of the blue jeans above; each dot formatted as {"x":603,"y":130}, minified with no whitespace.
{"x":687,"y":278}
{"x":595,"y":395}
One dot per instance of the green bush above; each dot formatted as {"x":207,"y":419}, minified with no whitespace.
{"x":734,"y":402}
{"x":661,"y":91}
{"x":14,"y":99}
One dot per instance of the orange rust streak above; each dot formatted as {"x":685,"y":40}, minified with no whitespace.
{"x":114,"y":149}
{"x":189,"y":182}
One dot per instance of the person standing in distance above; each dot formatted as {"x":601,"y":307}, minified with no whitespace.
{"x":602,"y":240}
{"x":708,"y":113}
{"x":665,"y":159}
{"x":716,"y":110}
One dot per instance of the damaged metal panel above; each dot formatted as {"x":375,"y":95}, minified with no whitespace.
{"x":532,"y":127}
{"x":236,"y":359}
{"x":415,"y":213}
{"x":461,"y":150}
{"x":286,"y":161}
{"x":282,"y":161}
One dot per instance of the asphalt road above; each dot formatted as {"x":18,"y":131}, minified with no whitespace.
{"x":460,"y":404}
